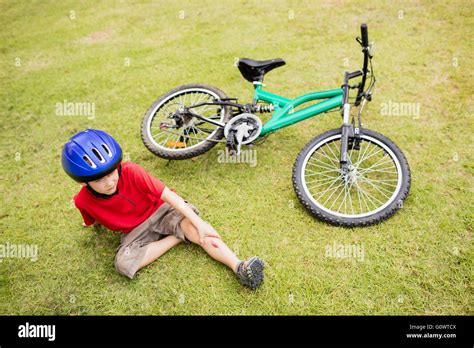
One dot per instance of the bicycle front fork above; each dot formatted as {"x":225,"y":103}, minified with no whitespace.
{"x":347,"y":131}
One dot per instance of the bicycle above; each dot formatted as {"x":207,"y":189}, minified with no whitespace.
{"x":349,"y":176}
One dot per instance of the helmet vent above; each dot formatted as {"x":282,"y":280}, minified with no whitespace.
{"x":106,"y":148}
{"x":98,"y":155}
{"x":88,"y":161}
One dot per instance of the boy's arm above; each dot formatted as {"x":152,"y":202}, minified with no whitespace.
{"x":203,"y":228}
{"x":87,"y":219}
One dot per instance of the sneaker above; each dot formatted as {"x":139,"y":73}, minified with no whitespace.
{"x":250,"y":272}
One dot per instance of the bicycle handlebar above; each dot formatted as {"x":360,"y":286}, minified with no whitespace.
{"x":364,"y":35}
{"x":364,"y":42}
{"x":365,"y":48}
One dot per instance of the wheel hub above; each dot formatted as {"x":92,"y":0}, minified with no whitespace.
{"x":349,"y":174}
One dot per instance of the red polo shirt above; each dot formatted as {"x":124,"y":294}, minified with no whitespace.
{"x":137,"y":197}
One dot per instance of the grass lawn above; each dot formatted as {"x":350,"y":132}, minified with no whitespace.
{"x":121,"y":55}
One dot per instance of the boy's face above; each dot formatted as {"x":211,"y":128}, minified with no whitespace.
{"x":106,"y":185}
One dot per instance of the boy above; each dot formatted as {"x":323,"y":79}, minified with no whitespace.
{"x":152,"y":218}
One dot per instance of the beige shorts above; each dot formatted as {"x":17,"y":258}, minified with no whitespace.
{"x":163,"y":222}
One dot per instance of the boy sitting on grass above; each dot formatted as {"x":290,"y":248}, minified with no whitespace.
{"x":152,"y":218}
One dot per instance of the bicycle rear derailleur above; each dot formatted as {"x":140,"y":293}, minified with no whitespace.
{"x":242,"y":129}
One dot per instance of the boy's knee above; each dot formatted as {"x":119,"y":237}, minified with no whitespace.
{"x":189,"y":230}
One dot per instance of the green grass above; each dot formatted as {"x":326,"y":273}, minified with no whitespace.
{"x":418,"y":262}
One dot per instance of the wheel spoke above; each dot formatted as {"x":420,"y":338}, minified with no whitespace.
{"x":365,"y":197}
{"x":324,"y":181}
{"x":378,"y":188}
{"x":368,"y":156}
{"x":323,"y":172}
{"x":377,"y":164}
{"x":321,"y":184}
{"x":326,"y":165}
{"x":335,"y":156}
{"x":330,"y":188}
{"x":335,"y":200}
{"x":330,"y":159}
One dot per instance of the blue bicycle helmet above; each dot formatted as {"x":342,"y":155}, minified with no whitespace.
{"x":90,"y":155}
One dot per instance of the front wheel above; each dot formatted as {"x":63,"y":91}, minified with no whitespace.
{"x":371,"y":190}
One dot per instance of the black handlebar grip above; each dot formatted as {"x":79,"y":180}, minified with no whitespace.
{"x":364,"y":34}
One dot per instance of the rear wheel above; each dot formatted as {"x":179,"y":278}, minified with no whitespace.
{"x":372,"y":190}
{"x":170,"y":135}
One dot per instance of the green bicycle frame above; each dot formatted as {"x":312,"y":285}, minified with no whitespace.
{"x":283,"y":116}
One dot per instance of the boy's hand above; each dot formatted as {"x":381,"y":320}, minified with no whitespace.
{"x":84,"y":225}
{"x":206,"y":230}
{"x":203,"y":228}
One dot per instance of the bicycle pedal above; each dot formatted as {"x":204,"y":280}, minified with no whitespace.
{"x":178,"y":144}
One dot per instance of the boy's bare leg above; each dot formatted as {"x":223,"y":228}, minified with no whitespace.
{"x":156,"y":249}
{"x":215,"y":247}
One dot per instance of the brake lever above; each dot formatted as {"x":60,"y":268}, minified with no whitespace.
{"x":368,"y":48}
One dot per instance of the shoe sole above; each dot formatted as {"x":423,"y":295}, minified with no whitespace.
{"x":255,"y":269}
